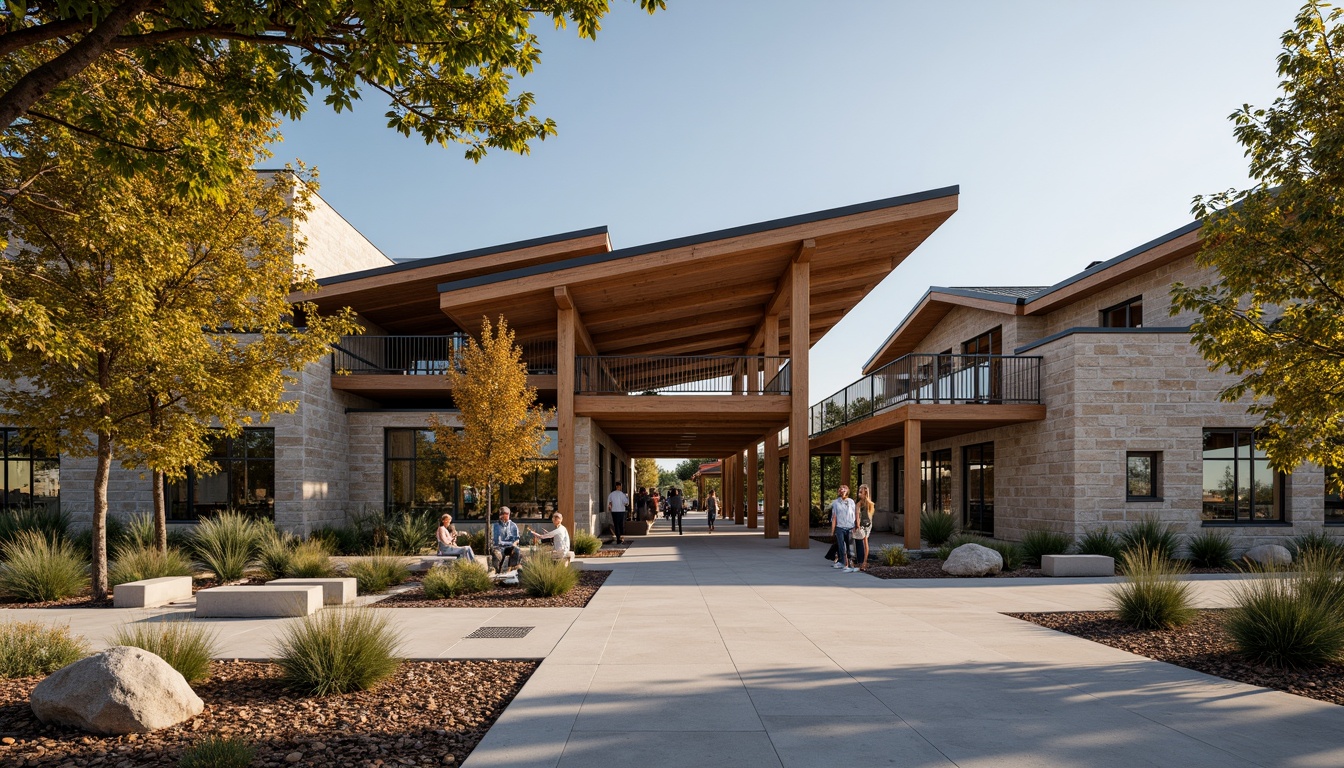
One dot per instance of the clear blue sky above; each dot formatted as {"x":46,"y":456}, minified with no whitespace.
{"x":1075,"y":129}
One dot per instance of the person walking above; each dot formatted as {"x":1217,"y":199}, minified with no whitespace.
{"x":675,"y":509}
{"x":712,"y":504}
{"x":842,"y":527}
{"x":863,"y":526}
{"x":618,"y":504}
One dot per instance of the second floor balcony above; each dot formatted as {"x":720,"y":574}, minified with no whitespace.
{"x":422,"y":355}
{"x":681,"y":375}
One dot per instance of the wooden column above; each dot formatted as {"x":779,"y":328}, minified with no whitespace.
{"x":846,"y":471}
{"x":800,"y":337}
{"x":740,"y":516}
{"x":566,"y":321}
{"x":753,"y":489}
{"x":771,"y":437}
{"x":912,"y":484}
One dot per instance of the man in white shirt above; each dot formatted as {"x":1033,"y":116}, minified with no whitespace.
{"x":559,"y":539}
{"x":618,"y":504}
{"x":842,"y":527}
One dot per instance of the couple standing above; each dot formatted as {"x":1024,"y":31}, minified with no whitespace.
{"x":851,"y":522}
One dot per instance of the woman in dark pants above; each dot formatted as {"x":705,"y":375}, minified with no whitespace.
{"x":712,"y":504}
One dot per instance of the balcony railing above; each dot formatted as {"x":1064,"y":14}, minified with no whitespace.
{"x":674,"y":374}
{"x":422,"y":355}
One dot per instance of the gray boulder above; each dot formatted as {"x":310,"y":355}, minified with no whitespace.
{"x":973,"y":560}
{"x":1269,"y":554}
{"x":121,"y":690}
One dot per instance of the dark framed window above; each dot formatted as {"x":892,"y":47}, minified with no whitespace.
{"x":977,"y":490}
{"x":988,"y":343}
{"x":417,"y":478}
{"x":936,"y":482}
{"x":30,"y":479}
{"x":1125,"y":315}
{"x":1239,"y":486}
{"x":602,"y":488}
{"x":898,"y":484}
{"x":1143,"y":476}
{"x":243,"y":481}
{"x":1334,"y":502}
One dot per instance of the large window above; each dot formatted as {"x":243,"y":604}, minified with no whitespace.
{"x":1143,"y":476}
{"x":977,"y":462}
{"x":936,"y":482}
{"x":29,"y":478}
{"x":244,"y":480}
{"x":1238,"y":484}
{"x":1126,"y":315}
{"x":417,"y":478}
{"x":988,"y":343}
{"x":898,"y":484}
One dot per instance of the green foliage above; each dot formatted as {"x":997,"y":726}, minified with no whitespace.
{"x":310,"y":560}
{"x":50,"y":522}
{"x":136,"y":562}
{"x":275,"y":553}
{"x":1318,"y":542}
{"x":114,"y":530}
{"x":218,"y":752}
{"x":1151,"y":596}
{"x":1100,"y":541}
{"x":893,"y":555}
{"x":31,"y":648}
{"x":375,"y":573}
{"x":937,"y":528}
{"x":1291,"y":620}
{"x":1038,"y":542}
{"x":1210,"y":549}
{"x":478,"y":540}
{"x":138,"y":531}
{"x":544,"y":576}
{"x":412,"y":533}
{"x":344,"y":540}
{"x":36,"y":569}
{"x":337,"y":651}
{"x":1150,"y":534}
{"x":226,"y":544}
{"x":586,"y":543}
{"x":460,"y":577}
{"x":185,"y":645}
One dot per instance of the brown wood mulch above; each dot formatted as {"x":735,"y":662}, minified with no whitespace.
{"x":502,"y":596}
{"x":1202,"y":645}
{"x":428,"y":713}
{"x":932,"y":568}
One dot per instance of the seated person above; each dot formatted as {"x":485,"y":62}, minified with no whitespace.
{"x":447,"y":538}
{"x":505,"y":538}
{"x":559,"y":538}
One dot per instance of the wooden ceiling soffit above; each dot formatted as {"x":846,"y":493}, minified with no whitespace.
{"x":720,"y":300}
{"x":722,"y":342}
{"x":613,"y":343}
{"x":783,"y":289}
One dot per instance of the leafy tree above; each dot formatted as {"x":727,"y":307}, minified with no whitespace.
{"x":686,"y":469}
{"x":1275,"y":316}
{"x":503,"y":429}
{"x":646,"y":473}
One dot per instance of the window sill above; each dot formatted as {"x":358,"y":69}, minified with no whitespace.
{"x":1141,"y":499}
{"x":1240,"y":524}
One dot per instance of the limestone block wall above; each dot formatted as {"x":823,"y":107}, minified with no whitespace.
{"x":965,"y":323}
{"x":1155,"y":288}
{"x":590,"y":503}
{"x":334,"y":247}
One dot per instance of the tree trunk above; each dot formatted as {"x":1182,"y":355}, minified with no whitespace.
{"x":489,"y":533}
{"x":100,"y":589}
{"x":160,"y":514}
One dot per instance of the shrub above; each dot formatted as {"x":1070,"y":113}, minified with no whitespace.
{"x":185,"y":645}
{"x":1315,"y":541}
{"x":35,"y":569}
{"x":336,"y":651}
{"x":310,"y":560}
{"x":344,"y":540}
{"x":477,"y":541}
{"x":458,"y":578}
{"x":1151,"y":597}
{"x":544,"y":576}
{"x":1039,"y":542}
{"x":227,"y":544}
{"x":937,"y":527}
{"x":1100,"y":541}
{"x":31,"y":649}
{"x":893,"y":555}
{"x":218,"y":752}
{"x":1210,"y":549}
{"x":275,"y":553}
{"x":114,"y":532}
{"x":139,"y":531}
{"x":411,"y":533}
{"x":52,"y":523}
{"x":133,"y":562}
{"x":376,"y":572}
{"x":1150,"y":534}
{"x":1286,"y":620}
{"x":585,"y":543}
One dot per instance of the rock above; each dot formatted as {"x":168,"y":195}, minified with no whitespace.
{"x":449,"y":759}
{"x":1269,"y":554}
{"x":973,"y":560}
{"x":293,"y":757}
{"x":121,"y":690}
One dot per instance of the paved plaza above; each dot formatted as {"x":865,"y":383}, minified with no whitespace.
{"x":729,"y":650}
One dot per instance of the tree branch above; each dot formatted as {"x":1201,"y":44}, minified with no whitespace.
{"x":27,"y":36}
{"x":100,"y":137}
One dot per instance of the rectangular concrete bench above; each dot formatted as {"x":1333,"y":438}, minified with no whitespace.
{"x":429,"y":561}
{"x":262,"y":601}
{"x":1077,"y":565}
{"x":337,"y":591}
{"x":149,"y":593}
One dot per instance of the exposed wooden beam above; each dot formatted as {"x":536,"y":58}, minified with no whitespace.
{"x":805,"y":250}
{"x":583,"y":342}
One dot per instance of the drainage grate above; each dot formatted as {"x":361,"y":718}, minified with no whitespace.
{"x":500,"y":632}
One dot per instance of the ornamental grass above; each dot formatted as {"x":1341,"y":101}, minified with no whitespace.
{"x":460,"y":577}
{"x":37,"y":569}
{"x":186,"y":645}
{"x":1291,"y":620}
{"x":33,"y":649}
{"x":1152,"y":596}
{"x":338,"y":650}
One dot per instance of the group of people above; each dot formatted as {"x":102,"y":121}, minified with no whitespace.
{"x":646,"y":504}
{"x":852,"y":523}
{"x":505,"y":538}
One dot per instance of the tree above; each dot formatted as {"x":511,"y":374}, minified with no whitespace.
{"x":646,"y":473}
{"x":146,"y":315}
{"x":1275,"y":316}
{"x":503,"y":429}
{"x":687,"y":468}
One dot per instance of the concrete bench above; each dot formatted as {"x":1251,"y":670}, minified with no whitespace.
{"x":262,"y":601}
{"x":1077,"y":565}
{"x":429,"y":561}
{"x":336,"y":591}
{"x":150,"y":593}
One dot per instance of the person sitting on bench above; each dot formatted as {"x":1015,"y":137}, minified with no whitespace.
{"x":559,"y":538}
{"x":447,"y":538}
{"x":506,"y":541}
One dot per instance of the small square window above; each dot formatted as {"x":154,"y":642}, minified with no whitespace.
{"x":1126,"y":315}
{"x":1143,"y":473}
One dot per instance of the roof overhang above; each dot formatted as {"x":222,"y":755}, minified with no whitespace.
{"x":932,"y":307}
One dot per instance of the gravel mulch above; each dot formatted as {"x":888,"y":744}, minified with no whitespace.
{"x":1203,"y":645}
{"x":428,"y":713}
{"x":502,"y":596}
{"x":932,"y":568}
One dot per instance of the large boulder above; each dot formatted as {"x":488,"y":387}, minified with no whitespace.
{"x":973,"y":560}
{"x":121,"y":690}
{"x":1269,"y":554}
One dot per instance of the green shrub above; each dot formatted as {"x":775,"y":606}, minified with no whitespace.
{"x":114,"y":532}
{"x":1291,"y":620}
{"x":376,"y":572}
{"x":1100,"y":541}
{"x":218,"y":752}
{"x":1039,"y":542}
{"x":185,"y":645}
{"x":134,"y":562}
{"x":275,"y":553}
{"x":35,"y":569}
{"x":1150,"y":534}
{"x":478,"y":540}
{"x":338,"y":650}
{"x":1210,"y":549}
{"x":1314,"y":541}
{"x":311,"y":560}
{"x":544,"y":576}
{"x":50,"y":522}
{"x":893,"y":555}
{"x":457,"y":578}
{"x":345,"y":540}
{"x":226,"y":545}
{"x":585,"y":543}
{"x":937,"y":528}
{"x":412,"y":533}
{"x":139,"y":531}
{"x":1151,"y":597}
{"x":32,"y":649}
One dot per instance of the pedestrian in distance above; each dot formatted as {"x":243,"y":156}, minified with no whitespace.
{"x":618,"y":504}
{"x":675,"y":509}
{"x":863,"y":526}
{"x":712,"y":505}
{"x":842,"y":528}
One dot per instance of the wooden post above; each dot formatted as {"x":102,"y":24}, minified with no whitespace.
{"x":753,"y":492}
{"x":740,"y":477}
{"x":564,"y":407}
{"x":912,"y":495}
{"x":846,"y":471}
{"x":800,"y":337}
{"x":771,"y":437}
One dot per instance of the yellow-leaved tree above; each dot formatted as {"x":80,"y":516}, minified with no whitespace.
{"x":503,"y":429}
{"x":646,"y":473}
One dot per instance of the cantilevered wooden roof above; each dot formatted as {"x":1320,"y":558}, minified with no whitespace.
{"x":708,"y":294}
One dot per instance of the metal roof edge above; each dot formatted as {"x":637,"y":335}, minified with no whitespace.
{"x":1131,"y":253}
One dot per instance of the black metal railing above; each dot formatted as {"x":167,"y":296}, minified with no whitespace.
{"x":422,"y":355}
{"x":675,"y":374}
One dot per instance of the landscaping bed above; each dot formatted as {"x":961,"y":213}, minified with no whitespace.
{"x":1202,"y":645}
{"x":501,"y":596}
{"x":85,"y":599}
{"x":932,"y":568}
{"x":428,"y":713}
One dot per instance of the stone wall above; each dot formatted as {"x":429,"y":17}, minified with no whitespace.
{"x":334,"y":247}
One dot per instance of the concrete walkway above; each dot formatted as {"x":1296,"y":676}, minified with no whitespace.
{"x":729,"y":650}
